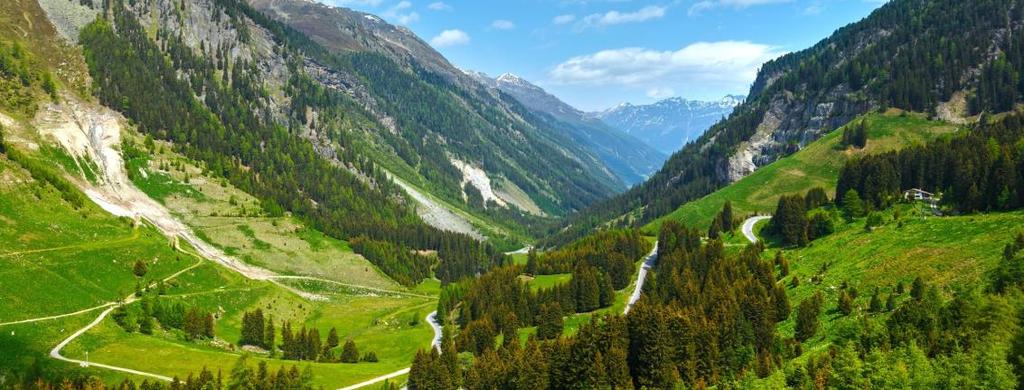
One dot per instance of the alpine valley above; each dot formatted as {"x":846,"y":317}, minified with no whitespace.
{"x":288,"y":194}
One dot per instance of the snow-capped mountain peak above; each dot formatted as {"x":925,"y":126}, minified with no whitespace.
{"x":668,"y":124}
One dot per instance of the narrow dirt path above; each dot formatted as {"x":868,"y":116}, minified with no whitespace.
{"x":54,"y":317}
{"x":55,"y":352}
{"x":88,"y":245}
{"x":361,"y":287}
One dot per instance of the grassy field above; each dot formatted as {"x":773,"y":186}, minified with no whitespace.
{"x":233,"y":220}
{"x":86,"y":254}
{"x":547,"y":281}
{"x":816,"y":165}
{"x":953,"y":252}
{"x":392,"y":326}
{"x":58,"y":259}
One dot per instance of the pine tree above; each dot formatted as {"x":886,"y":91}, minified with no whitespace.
{"x":807,"y":317}
{"x":509,"y":329}
{"x":852,"y":207}
{"x":349,"y":353}
{"x":649,"y":349}
{"x":727,"y":217}
{"x":845,"y":303}
{"x":140,"y":269}
{"x":618,"y":369}
{"x":875,"y":305}
{"x":269,"y":337}
{"x":531,"y":262}
{"x":715,"y":229}
{"x":549,"y":321}
{"x":332,"y":338}
{"x":588,"y":294}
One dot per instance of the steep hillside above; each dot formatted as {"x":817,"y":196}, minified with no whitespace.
{"x":236,"y":101}
{"x":816,"y":165}
{"x":631,"y":160}
{"x":92,"y":211}
{"x":938,"y":56}
{"x":669,"y":124}
{"x":393,"y":74}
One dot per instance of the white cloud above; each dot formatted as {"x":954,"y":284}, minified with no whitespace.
{"x":724,"y":65}
{"x":344,"y":3}
{"x":564,"y":19}
{"x":501,"y":24}
{"x":615,"y":17}
{"x":813,"y":9}
{"x":660,"y":93}
{"x":400,"y":13}
{"x":705,"y":5}
{"x":450,"y":38}
{"x":439,"y":6}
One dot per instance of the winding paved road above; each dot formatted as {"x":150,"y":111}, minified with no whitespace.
{"x":748,"y":226}
{"x":436,"y":343}
{"x":641,"y":276}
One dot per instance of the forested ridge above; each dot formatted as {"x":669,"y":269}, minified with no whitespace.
{"x":909,"y":54}
{"x":230,"y":131}
{"x":441,"y":110}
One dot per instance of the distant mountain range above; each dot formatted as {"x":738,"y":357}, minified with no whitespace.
{"x":628,"y":157}
{"x":668,"y":124}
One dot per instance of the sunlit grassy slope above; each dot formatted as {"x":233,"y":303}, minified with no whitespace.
{"x":817,"y":165}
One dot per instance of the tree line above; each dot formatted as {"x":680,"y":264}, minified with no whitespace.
{"x":977,"y":170}
{"x":298,"y":344}
{"x":194,"y":323}
{"x":242,"y":376}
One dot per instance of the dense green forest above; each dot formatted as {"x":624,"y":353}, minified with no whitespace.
{"x":704,"y":317}
{"x":231,"y":132}
{"x":915,"y":64}
{"x":979,"y":170}
{"x":500,"y":302}
{"x":709,"y":318}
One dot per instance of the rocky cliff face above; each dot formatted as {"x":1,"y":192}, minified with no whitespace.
{"x":789,"y":124}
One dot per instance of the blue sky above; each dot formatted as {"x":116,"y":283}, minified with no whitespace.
{"x":597,"y":53}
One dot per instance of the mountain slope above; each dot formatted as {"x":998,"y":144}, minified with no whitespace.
{"x":816,"y":165}
{"x":669,"y":124}
{"x":394,"y":74}
{"x":631,"y":160}
{"x":940,"y":56}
